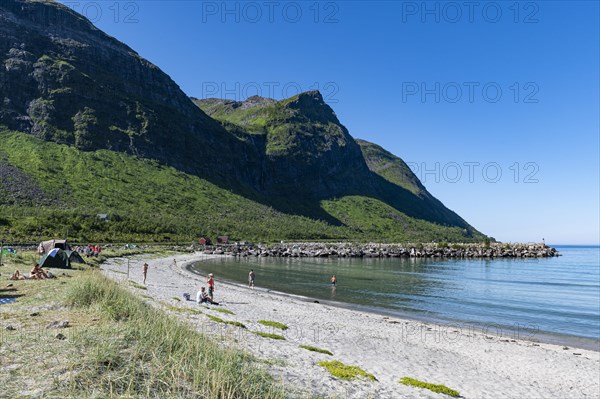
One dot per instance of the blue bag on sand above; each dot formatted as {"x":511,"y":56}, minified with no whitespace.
{"x":186,"y":296}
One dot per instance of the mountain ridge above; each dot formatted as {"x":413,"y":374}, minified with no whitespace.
{"x":66,"y":82}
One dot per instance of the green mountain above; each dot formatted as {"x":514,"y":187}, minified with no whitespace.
{"x":308,"y":151}
{"x":87,"y":126}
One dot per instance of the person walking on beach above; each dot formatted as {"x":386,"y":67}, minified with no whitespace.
{"x":211,"y":286}
{"x":145,"y":271}
{"x":251,"y":278}
{"x":333,"y":281}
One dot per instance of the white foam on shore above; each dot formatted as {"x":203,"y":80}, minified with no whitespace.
{"x":388,"y":347}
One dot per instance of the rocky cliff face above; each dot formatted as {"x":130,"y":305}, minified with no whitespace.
{"x":306,"y":152}
{"x":64,"y":80}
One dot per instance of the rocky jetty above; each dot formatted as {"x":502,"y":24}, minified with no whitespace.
{"x":353,"y":250}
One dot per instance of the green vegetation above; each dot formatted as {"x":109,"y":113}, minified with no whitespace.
{"x":273,"y":324}
{"x":314,"y":349}
{"x":116,"y":346}
{"x":146,"y":201}
{"x":432,"y":387}
{"x":343,"y":372}
{"x":136,"y":285}
{"x":150,"y":202}
{"x":376,"y":218}
{"x":268,"y":335}
{"x":219,"y":320}
{"x":226,"y":311}
{"x":390,"y":167}
{"x":182,"y":310}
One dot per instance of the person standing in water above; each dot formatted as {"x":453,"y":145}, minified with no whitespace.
{"x":145,"y":271}
{"x":251,"y":276}
{"x":333,"y":281}
{"x":211,"y":286}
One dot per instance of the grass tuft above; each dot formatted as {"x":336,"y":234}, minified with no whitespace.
{"x":314,"y":349}
{"x":219,"y":320}
{"x":183,"y":310}
{"x":273,"y":324}
{"x":344,"y":372}
{"x":432,"y":387}
{"x":136,"y":285}
{"x":226,"y":311}
{"x":268,"y":335}
{"x":146,"y":353}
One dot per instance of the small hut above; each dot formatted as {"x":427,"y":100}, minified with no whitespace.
{"x":204,"y":241}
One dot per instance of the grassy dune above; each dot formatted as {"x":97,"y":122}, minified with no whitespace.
{"x":116,"y":346}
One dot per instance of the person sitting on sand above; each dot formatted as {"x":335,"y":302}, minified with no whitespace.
{"x":202,"y":297}
{"x":17,"y":276}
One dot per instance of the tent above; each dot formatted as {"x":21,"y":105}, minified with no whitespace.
{"x":47,"y":246}
{"x":57,"y":258}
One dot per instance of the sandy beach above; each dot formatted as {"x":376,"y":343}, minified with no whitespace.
{"x":477,"y":364}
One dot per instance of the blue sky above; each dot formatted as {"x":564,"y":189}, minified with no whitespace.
{"x":495,"y":105}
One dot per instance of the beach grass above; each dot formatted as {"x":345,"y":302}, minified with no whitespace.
{"x":219,"y":320}
{"x":268,"y":335}
{"x":273,"y":324}
{"x":226,"y":311}
{"x":183,"y":310}
{"x":432,"y":387}
{"x":344,"y":372}
{"x":136,"y":285}
{"x":116,"y":346}
{"x":315,"y":349}
{"x":146,"y":353}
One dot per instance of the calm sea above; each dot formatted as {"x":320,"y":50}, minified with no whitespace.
{"x":554,"y":297}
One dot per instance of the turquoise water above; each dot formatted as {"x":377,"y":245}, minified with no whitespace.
{"x":559,"y":296}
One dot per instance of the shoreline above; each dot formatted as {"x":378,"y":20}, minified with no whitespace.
{"x":505,"y":333}
{"x":388,"y":347}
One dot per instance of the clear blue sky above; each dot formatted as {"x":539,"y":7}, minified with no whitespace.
{"x":420,"y":79}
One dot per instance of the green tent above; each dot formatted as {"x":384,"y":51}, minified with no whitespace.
{"x":58,"y":258}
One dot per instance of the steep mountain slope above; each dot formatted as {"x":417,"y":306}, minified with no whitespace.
{"x":308,"y":153}
{"x":390,"y":167}
{"x":64,"y":80}
{"x":56,"y":189}
{"x":311,"y":157}
{"x":98,"y":121}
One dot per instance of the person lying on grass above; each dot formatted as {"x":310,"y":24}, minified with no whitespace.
{"x":202,"y":297}
{"x":17,"y":275}
{"x":37,"y":273}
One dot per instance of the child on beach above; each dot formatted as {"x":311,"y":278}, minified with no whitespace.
{"x":251,"y":278}
{"x":145,"y":271}
{"x":211,"y":286}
